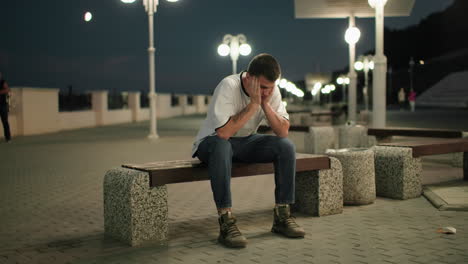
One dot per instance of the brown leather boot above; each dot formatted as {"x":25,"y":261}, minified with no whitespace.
{"x":285,"y":224}
{"x":229,"y":234}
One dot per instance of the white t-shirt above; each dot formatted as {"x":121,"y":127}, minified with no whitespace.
{"x":229,"y":99}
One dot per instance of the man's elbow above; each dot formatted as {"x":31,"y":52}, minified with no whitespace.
{"x":283,"y":134}
{"x":222,"y":134}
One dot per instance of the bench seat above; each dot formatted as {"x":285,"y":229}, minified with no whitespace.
{"x":135,"y":196}
{"x":381,"y":133}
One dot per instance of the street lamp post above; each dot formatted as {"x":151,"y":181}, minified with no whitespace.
{"x":352,"y":37}
{"x":365,"y":63}
{"x":234,"y":45}
{"x":380,"y":63}
{"x":151,"y":8}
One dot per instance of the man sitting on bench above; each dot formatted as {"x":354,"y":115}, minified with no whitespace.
{"x":240,"y":102}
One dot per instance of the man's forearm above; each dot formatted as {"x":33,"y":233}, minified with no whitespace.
{"x":279,"y":124}
{"x":237,"y":121}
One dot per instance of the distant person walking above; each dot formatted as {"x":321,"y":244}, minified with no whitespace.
{"x":4,"y":90}
{"x":401,"y":98}
{"x":412,"y":100}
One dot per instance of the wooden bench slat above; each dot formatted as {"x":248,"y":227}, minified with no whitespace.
{"x":295,"y":128}
{"x":414,"y":132}
{"x":425,"y":148}
{"x":167,"y":172}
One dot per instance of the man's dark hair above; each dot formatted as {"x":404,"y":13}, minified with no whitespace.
{"x":266,"y":65}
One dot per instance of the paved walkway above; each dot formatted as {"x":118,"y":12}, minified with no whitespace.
{"x":51,"y":209}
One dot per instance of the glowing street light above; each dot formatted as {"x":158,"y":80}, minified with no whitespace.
{"x":151,"y":8}
{"x":234,"y":45}
{"x":88,"y":16}
{"x":316,"y":88}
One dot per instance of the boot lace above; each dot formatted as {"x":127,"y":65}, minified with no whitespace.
{"x":231,"y":229}
{"x":290,"y":222}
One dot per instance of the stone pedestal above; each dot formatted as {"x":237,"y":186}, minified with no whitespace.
{"x":397,"y":174}
{"x":352,"y":137}
{"x":320,"y":193}
{"x":457,"y":158}
{"x":319,"y":139}
{"x":134,"y":213}
{"x":358,"y":175}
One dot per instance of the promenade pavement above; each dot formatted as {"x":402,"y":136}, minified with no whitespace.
{"x":51,"y":209}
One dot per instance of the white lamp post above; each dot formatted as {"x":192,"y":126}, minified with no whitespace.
{"x":151,"y":8}
{"x":352,"y":37}
{"x":234,"y":45}
{"x":365,"y":63}
{"x":343,"y":80}
{"x":380,"y":61}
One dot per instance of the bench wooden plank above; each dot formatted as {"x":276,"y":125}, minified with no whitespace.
{"x":414,"y":132}
{"x":297,"y":128}
{"x":167,"y":172}
{"x":426,"y":148}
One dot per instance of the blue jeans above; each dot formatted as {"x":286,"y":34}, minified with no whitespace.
{"x":219,"y":154}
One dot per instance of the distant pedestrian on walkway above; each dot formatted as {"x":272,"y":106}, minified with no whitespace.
{"x":412,"y":100}
{"x":240,"y":102}
{"x":4,"y":90}
{"x":401,"y":98}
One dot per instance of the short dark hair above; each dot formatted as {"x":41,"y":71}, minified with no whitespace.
{"x":266,"y":65}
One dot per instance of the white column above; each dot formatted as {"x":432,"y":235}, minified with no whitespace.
{"x":151,"y":8}
{"x":183,"y":103}
{"x":379,"y":104}
{"x":199,"y":103}
{"x":352,"y":77}
{"x":99,"y":106}
{"x":134,"y":105}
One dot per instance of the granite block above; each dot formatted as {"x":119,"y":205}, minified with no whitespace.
{"x":397,"y":174}
{"x":319,"y":139}
{"x":352,"y":136}
{"x":320,"y":193}
{"x":134,"y":213}
{"x":457,"y":158}
{"x":358,"y":175}
{"x":371,"y":141}
{"x":465,"y":166}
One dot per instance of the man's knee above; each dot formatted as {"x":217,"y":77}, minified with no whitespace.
{"x":286,"y":146}
{"x":219,"y":146}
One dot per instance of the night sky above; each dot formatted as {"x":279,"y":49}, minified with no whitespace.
{"x":48,"y":44}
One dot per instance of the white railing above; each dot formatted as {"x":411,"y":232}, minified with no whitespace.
{"x":36,"y":111}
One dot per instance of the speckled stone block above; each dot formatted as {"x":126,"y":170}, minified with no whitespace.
{"x":358,"y":175}
{"x":365,"y":117}
{"x":320,"y":193}
{"x":371,"y":141}
{"x":295,"y":119}
{"x":319,"y":139}
{"x":457,"y":158}
{"x":134,"y":213}
{"x":397,"y":174}
{"x":465,"y":166}
{"x":352,"y":136}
